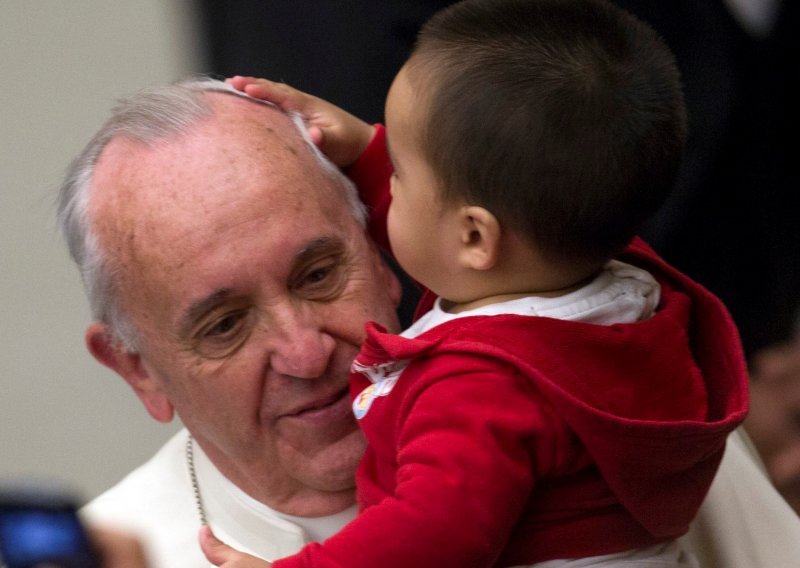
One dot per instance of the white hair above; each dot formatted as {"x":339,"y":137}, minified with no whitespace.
{"x":148,"y":116}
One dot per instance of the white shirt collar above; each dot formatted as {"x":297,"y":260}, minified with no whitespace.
{"x":621,"y":293}
{"x":259,"y":529}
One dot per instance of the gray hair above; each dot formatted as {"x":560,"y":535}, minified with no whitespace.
{"x":148,"y":116}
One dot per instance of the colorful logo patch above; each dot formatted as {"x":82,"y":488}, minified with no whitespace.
{"x":383,"y":379}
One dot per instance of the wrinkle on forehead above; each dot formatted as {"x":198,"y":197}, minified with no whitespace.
{"x":179,"y":192}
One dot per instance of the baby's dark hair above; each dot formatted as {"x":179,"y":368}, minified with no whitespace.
{"x":565,"y":118}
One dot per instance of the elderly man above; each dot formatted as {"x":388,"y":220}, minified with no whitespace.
{"x":230,"y":276}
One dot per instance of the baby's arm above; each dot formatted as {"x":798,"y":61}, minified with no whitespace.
{"x":340,"y":135}
{"x":220,"y":554}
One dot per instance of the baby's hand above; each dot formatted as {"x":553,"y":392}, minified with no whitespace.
{"x":220,"y":554}
{"x":340,"y":135}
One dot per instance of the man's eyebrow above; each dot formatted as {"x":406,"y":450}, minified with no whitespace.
{"x":197,"y":309}
{"x":320,"y":245}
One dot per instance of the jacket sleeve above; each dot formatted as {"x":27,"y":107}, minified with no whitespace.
{"x":371,"y":173}
{"x":468,"y":456}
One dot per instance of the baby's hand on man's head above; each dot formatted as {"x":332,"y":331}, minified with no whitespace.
{"x":340,"y":135}
{"x":220,"y":554}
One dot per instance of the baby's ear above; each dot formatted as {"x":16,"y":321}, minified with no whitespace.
{"x":480,"y":234}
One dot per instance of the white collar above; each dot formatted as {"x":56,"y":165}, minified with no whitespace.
{"x":251,"y":526}
{"x":621,"y":293}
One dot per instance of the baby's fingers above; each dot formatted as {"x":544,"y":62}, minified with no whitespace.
{"x":220,"y":554}
{"x":279,"y":94}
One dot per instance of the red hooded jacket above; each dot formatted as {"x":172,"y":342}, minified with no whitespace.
{"x":514,"y":439}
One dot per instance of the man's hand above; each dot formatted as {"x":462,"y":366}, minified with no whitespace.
{"x":337,"y":133}
{"x":220,"y":554}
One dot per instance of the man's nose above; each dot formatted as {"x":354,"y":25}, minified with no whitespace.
{"x":300,"y":346}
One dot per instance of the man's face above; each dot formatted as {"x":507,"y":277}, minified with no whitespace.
{"x":249,"y":282}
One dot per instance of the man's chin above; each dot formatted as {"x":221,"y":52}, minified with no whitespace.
{"x":331,"y":467}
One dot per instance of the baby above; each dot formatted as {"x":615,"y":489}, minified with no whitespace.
{"x":565,"y":396}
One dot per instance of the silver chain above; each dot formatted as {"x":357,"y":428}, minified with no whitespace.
{"x":193,"y":478}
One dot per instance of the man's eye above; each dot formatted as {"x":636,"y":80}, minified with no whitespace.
{"x":321,"y":282}
{"x":223,"y":335}
{"x":318,"y":275}
{"x":224,"y":326}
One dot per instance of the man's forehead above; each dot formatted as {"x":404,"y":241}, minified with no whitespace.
{"x":244,"y":153}
{"x":230,"y":116}
{"x":238,"y":137}
{"x":243,"y":109}
{"x":243,"y":150}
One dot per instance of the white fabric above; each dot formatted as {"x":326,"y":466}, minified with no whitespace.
{"x":156,"y":502}
{"x":669,"y":555}
{"x":621,"y":293}
{"x":744,"y":522}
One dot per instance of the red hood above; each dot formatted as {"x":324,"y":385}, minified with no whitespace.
{"x":652,"y":401}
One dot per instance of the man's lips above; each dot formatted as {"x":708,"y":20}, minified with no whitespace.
{"x":318,"y":423}
{"x":323,"y":408}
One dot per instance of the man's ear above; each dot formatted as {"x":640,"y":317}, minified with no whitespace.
{"x":393,"y":287}
{"x":479,"y":236}
{"x":129,"y":365}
